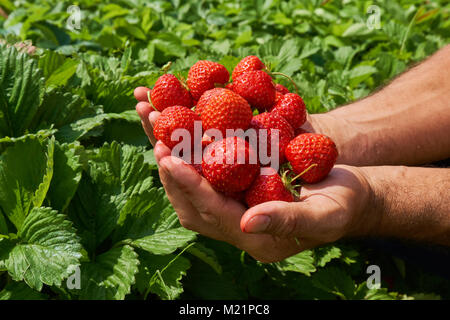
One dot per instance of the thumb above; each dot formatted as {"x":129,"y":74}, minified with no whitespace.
{"x":278,"y":218}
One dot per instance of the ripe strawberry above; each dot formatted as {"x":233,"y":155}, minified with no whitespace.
{"x":204,"y":99}
{"x":249,"y":63}
{"x":204,"y":75}
{"x":269,"y":187}
{"x":314,"y":151}
{"x":226,"y":110}
{"x":230,"y":165}
{"x":278,"y":97}
{"x":195,"y":165}
{"x":257,"y":88}
{"x":270,"y":122}
{"x":281,"y":89}
{"x":292,"y":108}
{"x":172,"y":118}
{"x":168,"y":91}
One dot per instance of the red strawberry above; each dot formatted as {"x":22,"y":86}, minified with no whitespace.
{"x":249,"y":63}
{"x":196,"y":166}
{"x":168,"y":91}
{"x":292,"y":108}
{"x":257,"y":88}
{"x":269,"y":122}
{"x":204,"y":75}
{"x":204,"y":99}
{"x":229,"y":86}
{"x":278,"y":97}
{"x":269,"y":187}
{"x":281,"y":89}
{"x":172,"y":118}
{"x":312,"y":151}
{"x":226,"y":110}
{"x":230,"y":165}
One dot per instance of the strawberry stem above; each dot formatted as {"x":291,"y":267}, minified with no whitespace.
{"x":289,"y":78}
{"x":166,"y":67}
{"x":305,"y":171}
{"x":150,"y":101}
{"x":183,"y":81}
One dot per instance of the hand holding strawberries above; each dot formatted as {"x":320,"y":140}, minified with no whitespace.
{"x":348,"y":201}
{"x":270,"y":231}
{"x":214,"y":204}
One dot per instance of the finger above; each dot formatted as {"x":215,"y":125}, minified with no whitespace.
{"x":183,"y":207}
{"x":281,"y":219}
{"x":153,"y":116}
{"x":160,"y":151}
{"x":144,"y":109}
{"x":141,"y":93}
{"x":222,"y":214}
{"x":187,"y":213}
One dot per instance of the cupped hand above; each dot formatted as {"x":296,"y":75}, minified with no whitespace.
{"x":272,"y":231}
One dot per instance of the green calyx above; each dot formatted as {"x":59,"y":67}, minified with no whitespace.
{"x":288,"y":178}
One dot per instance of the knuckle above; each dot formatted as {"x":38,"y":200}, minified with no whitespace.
{"x":286,"y":227}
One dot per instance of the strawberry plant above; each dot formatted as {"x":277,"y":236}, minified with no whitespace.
{"x":83,"y":214}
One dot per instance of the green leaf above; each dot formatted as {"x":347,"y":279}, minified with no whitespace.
{"x":244,"y":37}
{"x":115,"y":178}
{"x":41,"y":192}
{"x":6,"y":245}
{"x":61,"y":75}
{"x":323,"y":255}
{"x":80,"y":129}
{"x":360,"y":73}
{"x":24,"y":183}
{"x":20,"y":291}
{"x":21,"y":91}
{"x":363,"y":292}
{"x":302,"y":262}
{"x":66,"y":177}
{"x":3,"y":225}
{"x":149,"y":158}
{"x":60,"y":108}
{"x":47,"y":248}
{"x":161,"y":275}
{"x":165,"y":242}
{"x":356,"y":29}
{"x":336,"y":281}
{"x":207,"y":255}
{"x":49,"y":62}
{"x":145,"y":213}
{"x":110,"y":276}
{"x":170,"y":44}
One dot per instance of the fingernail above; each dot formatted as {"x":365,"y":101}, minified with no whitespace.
{"x":257,"y":224}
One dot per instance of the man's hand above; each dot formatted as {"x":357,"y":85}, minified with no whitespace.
{"x":273,"y":230}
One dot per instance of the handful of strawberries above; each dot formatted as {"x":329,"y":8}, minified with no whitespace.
{"x":248,"y":128}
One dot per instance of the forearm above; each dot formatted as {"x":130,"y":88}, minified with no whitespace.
{"x":408,"y":203}
{"x":408,"y":122}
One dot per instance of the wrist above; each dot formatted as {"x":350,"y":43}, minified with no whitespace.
{"x":367,"y":208}
{"x":350,"y":141}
